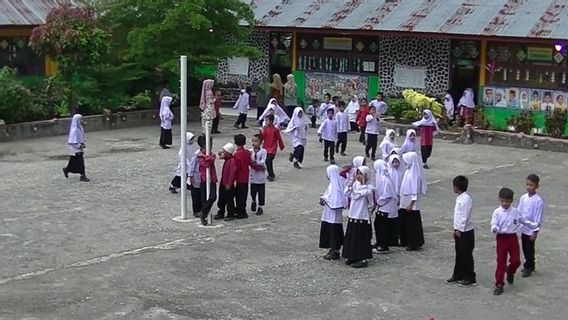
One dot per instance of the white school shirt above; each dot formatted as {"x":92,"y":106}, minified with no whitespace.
{"x":330,"y":215}
{"x":193,"y":171}
{"x":462,"y":213}
{"x":242,"y":104}
{"x":342,"y":122}
{"x":390,"y":207}
{"x":361,"y":195}
{"x":372,"y":125}
{"x":166,"y":120}
{"x":509,"y":221}
{"x":259,"y":158}
{"x":352,"y":109}
{"x":405,"y":201}
{"x":328,"y":130}
{"x":311,"y":110}
{"x":380,"y":106}
{"x":298,"y":136}
{"x":531,"y":209}
{"x":323,"y":109}
{"x":386,"y":150}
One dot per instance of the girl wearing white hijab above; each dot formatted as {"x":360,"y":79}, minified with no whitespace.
{"x":386,"y":221}
{"x":290,"y":96}
{"x":76,"y":141}
{"x":357,"y":243}
{"x":428,"y":129}
{"x":333,"y":202}
{"x":297,"y":129}
{"x":280,"y":117}
{"x":410,"y":144}
{"x":352,"y":110}
{"x":349,"y":172}
{"x":189,"y":154}
{"x":166,"y":117}
{"x":388,"y":144}
{"x":413,"y":184}
{"x":395,"y":168}
{"x":467,"y":105}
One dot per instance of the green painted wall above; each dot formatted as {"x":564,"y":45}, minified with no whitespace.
{"x":497,"y":117}
{"x":300,"y":78}
{"x":374,"y":87}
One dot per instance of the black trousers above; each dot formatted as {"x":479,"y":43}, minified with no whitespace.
{"x":258,"y":190}
{"x":195,"y":199}
{"x":207,"y":204}
{"x":226,"y":201}
{"x":341,"y":140}
{"x":241,"y":120}
{"x":426,"y":152}
{"x":241,"y":193}
{"x":176,"y":183}
{"x":362,"y":135}
{"x":313,"y":120}
{"x":528,"y":252}
{"x":165,"y":137}
{"x":372,"y":140}
{"x":353,"y":126}
{"x":76,"y":164}
{"x":329,"y":149}
{"x":464,"y":265}
{"x":299,"y":153}
{"x":270,"y":164}
{"x":215,"y":126}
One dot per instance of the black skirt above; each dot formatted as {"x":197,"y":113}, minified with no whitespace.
{"x":165,"y":137}
{"x":331,"y":235}
{"x":176,"y":183}
{"x":357,"y":243}
{"x":76,"y":164}
{"x":386,"y":230}
{"x":413,"y":229}
{"x":401,"y":227}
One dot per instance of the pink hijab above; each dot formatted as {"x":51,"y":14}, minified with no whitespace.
{"x":206,"y":93}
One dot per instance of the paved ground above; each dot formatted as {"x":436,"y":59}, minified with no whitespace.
{"x":109,"y":249}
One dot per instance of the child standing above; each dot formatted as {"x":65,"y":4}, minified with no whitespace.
{"x":342,"y":128}
{"x":190,"y":152}
{"x":380,"y":105}
{"x":258,"y":175}
{"x":531,"y":207}
{"x":352,"y":110}
{"x":388,"y":144}
{"x":410,"y":142}
{"x":242,"y":161}
{"x":272,"y":140}
{"x":297,"y":129}
{"x":194,"y":178}
{"x":396,"y":172}
{"x":428,"y":128}
{"x":449,"y":106}
{"x":386,"y":221}
{"x":328,"y":133}
{"x":464,"y":237}
{"x":413,"y":184}
{"x":76,"y":141}
{"x":372,"y":131}
{"x":166,"y":117}
{"x":333,"y":202}
{"x":226,"y":201}
{"x":312,"y":112}
{"x":242,"y":105}
{"x":327,"y":103}
{"x":505,"y":224}
{"x":206,"y":161}
{"x":362,"y":118}
{"x":357,"y":244}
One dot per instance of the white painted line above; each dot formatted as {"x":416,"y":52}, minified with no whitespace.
{"x":434,"y":182}
{"x":504,"y":166}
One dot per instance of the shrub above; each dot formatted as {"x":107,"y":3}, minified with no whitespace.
{"x":556,"y":123}
{"x":397,"y":107}
{"x":522,"y":122}
{"x":141,"y":101}
{"x":15,"y":99}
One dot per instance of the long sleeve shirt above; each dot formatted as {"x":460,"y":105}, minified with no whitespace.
{"x":380,"y":106}
{"x":204,"y":163}
{"x":228,"y":173}
{"x":242,"y":103}
{"x":342,"y":119}
{"x":243,"y":161}
{"x":427,"y":135}
{"x":361,"y":200}
{"x":531,"y":209}
{"x":328,"y":130}
{"x":372,"y":125}
{"x":462,"y":213}
{"x":193,"y":173}
{"x":508,"y":221}
{"x":323,"y":108}
{"x":258,"y":167}
{"x":272,"y":140}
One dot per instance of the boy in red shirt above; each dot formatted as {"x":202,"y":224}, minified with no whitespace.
{"x":227,"y":185}
{"x":362,"y":119}
{"x":272,"y":140}
{"x":242,"y":160}
{"x":206,"y":161}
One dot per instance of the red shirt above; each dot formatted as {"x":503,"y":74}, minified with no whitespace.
{"x":362,"y":116}
{"x":272,"y":140}
{"x":243,"y":160}
{"x":204,"y":163}
{"x":217,"y":104}
{"x":427,"y":136}
{"x":228,"y":174}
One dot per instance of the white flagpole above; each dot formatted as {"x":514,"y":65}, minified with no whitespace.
{"x":183,"y":129}
{"x":208,"y":171}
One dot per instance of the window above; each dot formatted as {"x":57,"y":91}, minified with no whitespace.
{"x":16,"y":53}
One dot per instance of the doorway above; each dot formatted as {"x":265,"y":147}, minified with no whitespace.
{"x":464,"y":75}
{"x":280,"y":57}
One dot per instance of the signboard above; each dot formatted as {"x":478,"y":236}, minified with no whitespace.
{"x":409,"y":77}
{"x":330,"y":43}
{"x":238,"y":66}
{"x":539,"y":54}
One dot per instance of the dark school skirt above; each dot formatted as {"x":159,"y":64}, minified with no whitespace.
{"x":386,"y":230}
{"x":357,"y":242}
{"x":165,"y":137}
{"x":413,"y":229}
{"x":76,"y":164}
{"x":176,"y":183}
{"x":331,"y":235}
{"x":401,"y":227}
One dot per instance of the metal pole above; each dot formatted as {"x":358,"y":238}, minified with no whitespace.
{"x":183,"y":144}
{"x":208,"y":171}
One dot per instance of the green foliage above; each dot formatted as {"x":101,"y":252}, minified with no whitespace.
{"x":15,"y":99}
{"x":522,"y":122}
{"x":141,"y":101}
{"x":397,"y":107}
{"x":555,"y":122}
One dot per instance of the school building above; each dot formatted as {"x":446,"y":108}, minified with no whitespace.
{"x":510,"y":51}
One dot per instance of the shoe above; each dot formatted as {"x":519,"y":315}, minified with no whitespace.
{"x":373,"y":158}
{"x":332,"y":162}
{"x":360,"y":264}
{"x":297,"y":165}
{"x":219,"y":216}
{"x":510,"y":278}
{"x":331,"y":255}
{"x":230,"y":218}
{"x":203,"y":219}
{"x":498,"y":291}
{"x":325,"y":160}
{"x":525,"y":273}
{"x":236,"y":126}
{"x":291,"y":157}
{"x":348,"y":262}
{"x":65,"y":172}
{"x":242,"y":216}
{"x":216,"y":131}
{"x":253,"y":207}
{"x":270,"y":178}
{"x":382,"y":250}
{"x":259,"y":212}
{"x":367,"y":155}
{"x":197,"y":214}
{"x":410,"y":249}
{"x":467,"y":283}
{"x":426,"y":166}
{"x":173,"y":190}
{"x":453,"y":280}
{"x":327,"y":256}
{"x":244,"y":127}
{"x":343,"y":154}
{"x":84,"y":179}
{"x":165,"y":147}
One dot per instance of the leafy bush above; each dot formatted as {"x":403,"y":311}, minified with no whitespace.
{"x":15,"y":99}
{"x":141,"y":101}
{"x":397,"y":107}
{"x":420,"y":102}
{"x":522,"y":122}
{"x":556,"y":122}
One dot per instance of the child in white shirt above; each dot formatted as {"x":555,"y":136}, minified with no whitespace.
{"x":342,"y":128}
{"x":328,"y":134}
{"x":372,"y":131}
{"x":531,"y":207}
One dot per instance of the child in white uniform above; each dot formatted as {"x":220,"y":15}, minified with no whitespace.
{"x":333,"y":202}
{"x":413,"y":184}
{"x":386,"y":220}
{"x":531,"y":207}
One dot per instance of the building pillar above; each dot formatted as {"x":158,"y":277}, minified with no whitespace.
{"x":483,"y":63}
{"x":294,"y":51}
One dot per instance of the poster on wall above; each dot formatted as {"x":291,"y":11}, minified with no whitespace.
{"x":342,"y":85}
{"x":560,"y":100}
{"x":238,"y":65}
{"x":536,"y":100}
{"x":409,"y":77}
{"x":525,"y":98}
{"x":500,"y":98}
{"x":488,"y":96}
{"x":512,"y":97}
{"x":547,"y":101}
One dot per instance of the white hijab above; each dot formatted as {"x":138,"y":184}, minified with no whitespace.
{"x":413,"y":181}
{"x":396,"y":174}
{"x":469,"y":99}
{"x":387,"y":139}
{"x":430,"y":122}
{"x":366,"y":171}
{"x":395,"y":151}
{"x":191,"y":147}
{"x":296,"y":122}
{"x":408,"y":145}
{"x":334,"y":195}
{"x":273,"y":105}
{"x":76,"y":132}
{"x":165,"y":111}
{"x":383,"y":182}
{"x":353,"y":106}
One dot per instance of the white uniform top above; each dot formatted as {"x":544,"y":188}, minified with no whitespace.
{"x":298,"y":136}
{"x":405,"y":201}
{"x":342,"y":121}
{"x":193,"y":175}
{"x":531,"y":209}
{"x":372,"y":125}
{"x":508,"y":221}
{"x":323,"y":109}
{"x":462,"y":213}
{"x":380,"y":106}
{"x":242,"y":103}
{"x":330,"y":215}
{"x":352,"y":109}
{"x":259,"y":158}
{"x":328,"y":130}
{"x":386,"y":149}
{"x":361,"y":199}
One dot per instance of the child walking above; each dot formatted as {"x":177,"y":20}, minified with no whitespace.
{"x":312,"y":112}
{"x":342,"y":128}
{"x":226,"y":202}
{"x":242,"y":105}
{"x":428,"y":128}
{"x":76,"y":141}
{"x":272,"y":140}
{"x":297,"y":129}
{"x":352,"y":111}
{"x":362,"y":118}
{"x":328,"y":133}
{"x":531,"y":207}
{"x":357,"y":244}
{"x":388,"y":144}
{"x":166,"y":117}
{"x":206,"y":161}
{"x":258,"y":175}
{"x":372,"y":131}
{"x":505,"y":224}
{"x":333,"y":202}
{"x":190,"y":153}
{"x":413,"y":184}
{"x":243,"y":162}
{"x":464,"y":237}
{"x":386,"y":220}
